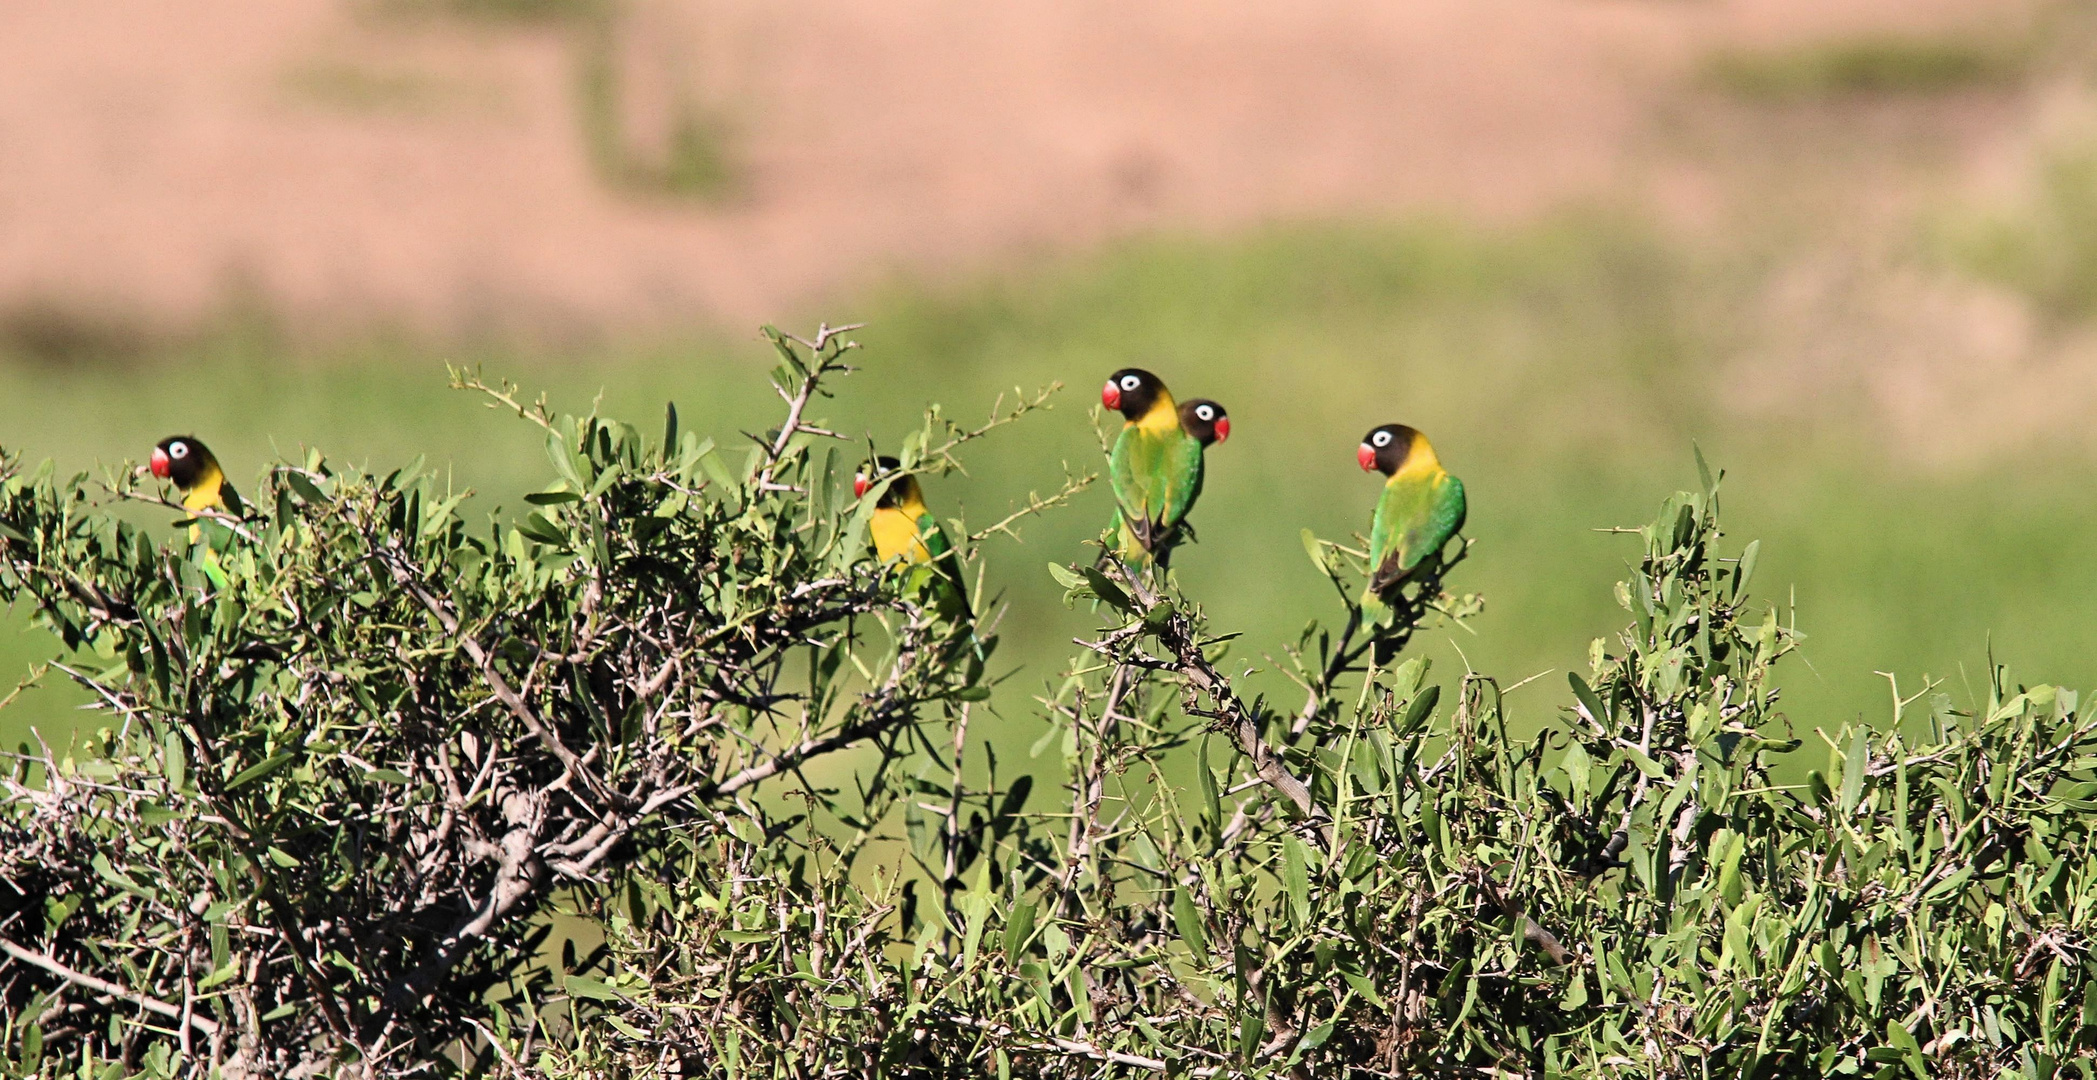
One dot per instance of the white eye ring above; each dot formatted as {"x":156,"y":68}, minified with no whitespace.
{"x":178,"y":450}
{"x":1381,"y":438}
{"x":1130,"y":382}
{"x":1205,"y":412}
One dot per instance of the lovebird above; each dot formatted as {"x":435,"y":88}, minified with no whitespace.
{"x":1156,"y":463}
{"x":1421,"y":507}
{"x":196,"y":474}
{"x":904,"y":529}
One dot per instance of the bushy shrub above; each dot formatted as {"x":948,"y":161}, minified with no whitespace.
{"x":359,"y":758}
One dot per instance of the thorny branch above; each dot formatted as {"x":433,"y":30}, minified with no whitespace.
{"x":1176,"y":635}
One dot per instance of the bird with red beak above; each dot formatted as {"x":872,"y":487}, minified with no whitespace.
{"x":903,"y":529}
{"x":1156,"y":464}
{"x":185,"y":462}
{"x":1420,"y":509}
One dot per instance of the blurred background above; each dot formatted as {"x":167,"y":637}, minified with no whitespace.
{"x":1848,"y":248}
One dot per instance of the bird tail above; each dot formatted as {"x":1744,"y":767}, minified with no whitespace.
{"x":1127,"y":545}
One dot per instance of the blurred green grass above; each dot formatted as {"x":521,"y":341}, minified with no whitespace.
{"x":1869,"y":65}
{"x":1563,"y":370}
{"x":2045,"y":248}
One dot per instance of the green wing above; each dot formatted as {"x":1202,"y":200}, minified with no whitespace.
{"x":948,"y":566}
{"x":1156,"y":481}
{"x":1414,"y":518}
{"x":1183,"y":475}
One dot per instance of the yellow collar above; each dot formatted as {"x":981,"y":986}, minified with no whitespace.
{"x":1163,"y":417}
{"x":906,"y":496}
{"x":205,"y":492}
{"x":1419,"y":461}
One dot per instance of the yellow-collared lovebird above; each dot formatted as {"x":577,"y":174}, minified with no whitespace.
{"x":1156,"y":463}
{"x":1421,"y":507}
{"x":904,"y":529}
{"x":187,"y":463}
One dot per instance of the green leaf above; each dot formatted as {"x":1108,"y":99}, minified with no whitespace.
{"x":225,"y":974}
{"x":1587,"y":697}
{"x":1853,"y":766}
{"x":1107,"y":591}
{"x":257,"y":771}
{"x":1406,"y":678}
{"x":174,"y":761}
{"x":1187,"y":919}
{"x":976,"y":906}
{"x":583,"y":986}
{"x":1065,"y":576}
{"x":1019,"y":927}
{"x":1417,"y":713}
{"x":1746,"y":570}
{"x":1644,"y":764}
{"x":1898,"y":1037}
{"x":563,"y":459}
{"x":1211,"y":798}
{"x":1251,"y":1026}
{"x":1296,"y":877}
{"x":536,"y":526}
{"x":1316,"y":550}
{"x":552,"y":498}
{"x":717,"y":470}
{"x":853,"y":544}
{"x":1363,"y":987}
{"x":117,"y":878}
{"x":302,"y":487}
{"x":1578,"y":768}
{"x":386,"y":776}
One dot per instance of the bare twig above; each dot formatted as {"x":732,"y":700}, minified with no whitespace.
{"x":1176,"y":634}
{"x":102,"y":986}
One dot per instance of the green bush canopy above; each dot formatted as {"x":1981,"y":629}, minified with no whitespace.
{"x":664,"y":779}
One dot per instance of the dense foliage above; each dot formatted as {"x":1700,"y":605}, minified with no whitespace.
{"x":362,"y":765}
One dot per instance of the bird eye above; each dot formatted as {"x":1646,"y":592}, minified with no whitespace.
{"x":1205,"y":413}
{"x":1383,"y":438}
{"x":1130,"y":382}
{"x":178,"y":450}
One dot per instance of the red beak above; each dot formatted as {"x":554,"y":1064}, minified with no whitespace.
{"x":1111,"y":395}
{"x":1223,"y":429}
{"x":160,"y":463}
{"x":859,"y":486}
{"x":1366,"y":454}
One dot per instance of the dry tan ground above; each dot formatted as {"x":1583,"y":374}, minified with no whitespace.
{"x":349,"y":166}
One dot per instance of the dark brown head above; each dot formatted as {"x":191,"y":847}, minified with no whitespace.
{"x":1134,"y":392}
{"x":182,"y":459}
{"x":1205,"y":420}
{"x":902,"y":490}
{"x":1384,"y":449}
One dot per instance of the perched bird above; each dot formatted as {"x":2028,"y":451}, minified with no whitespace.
{"x":1422,"y":506}
{"x":196,"y":474}
{"x":903,"y":528}
{"x":1206,"y":421}
{"x":1156,"y":463}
